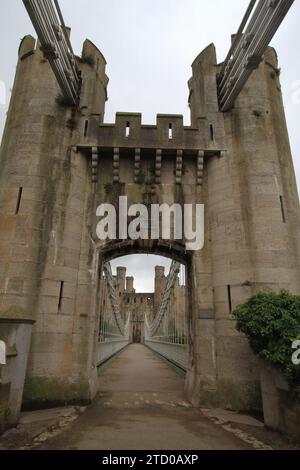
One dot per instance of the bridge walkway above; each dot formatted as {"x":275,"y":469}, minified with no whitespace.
{"x":141,"y":406}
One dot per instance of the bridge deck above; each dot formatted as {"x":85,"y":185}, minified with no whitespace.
{"x":141,"y":406}
{"x":139,"y":371}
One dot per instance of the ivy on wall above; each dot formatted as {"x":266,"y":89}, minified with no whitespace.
{"x":272,"y":323}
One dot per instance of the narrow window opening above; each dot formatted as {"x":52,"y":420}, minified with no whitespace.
{"x":19,"y":200}
{"x":127,"y":132}
{"x":170,"y":131}
{"x":86,"y":127}
{"x":229,"y":298}
{"x":282,"y":210}
{"x":212,"y":135}
{"x":61,"y":291}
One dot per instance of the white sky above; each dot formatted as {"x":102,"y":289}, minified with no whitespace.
{"x":142,"y":268}
{"x":149,"y":46}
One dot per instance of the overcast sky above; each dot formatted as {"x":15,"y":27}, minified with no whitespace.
{"x":142,"y":268}
{"x":149,"y":46}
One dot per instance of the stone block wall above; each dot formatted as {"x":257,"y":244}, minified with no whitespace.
{"x":280,"y":406}
{"x":58,"y":164}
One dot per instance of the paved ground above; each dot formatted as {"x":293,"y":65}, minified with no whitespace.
{"x":141,"y":406}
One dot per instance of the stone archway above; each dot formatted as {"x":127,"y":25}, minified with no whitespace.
{"x":170,"y":250}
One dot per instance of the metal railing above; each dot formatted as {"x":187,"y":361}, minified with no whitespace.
{"x":168,"y":333}
{"x":113,"y":330}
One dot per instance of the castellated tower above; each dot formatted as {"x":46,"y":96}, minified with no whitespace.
{"x":58,"y":164}
{"x":120,"y":280}
{"x":44,"y":197}
{"x":252,"y":221}
{"x":160,"y":281}
{"x":129,"y":284}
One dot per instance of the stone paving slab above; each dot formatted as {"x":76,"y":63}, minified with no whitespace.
{"x":140,"y":405}
{"x":36,"y":427}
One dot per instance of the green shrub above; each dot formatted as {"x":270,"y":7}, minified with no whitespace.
{"x":272,"y":323}
{"x":108,"y":188}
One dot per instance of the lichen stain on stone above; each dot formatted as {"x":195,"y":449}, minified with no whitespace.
{"x":40,"y":392}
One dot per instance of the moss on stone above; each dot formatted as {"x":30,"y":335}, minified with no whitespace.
{"x":234,"y":395}
{"x":7,"y":412}
{"x":40,"y":392}
{"x":108,"y":187}
{"x":290,"y":416}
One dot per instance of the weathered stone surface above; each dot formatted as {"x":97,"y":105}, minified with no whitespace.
{"x":49,"y":192}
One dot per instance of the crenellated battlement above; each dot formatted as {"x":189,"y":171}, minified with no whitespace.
{"x":168,"y":138}
{"x":169,"y":132}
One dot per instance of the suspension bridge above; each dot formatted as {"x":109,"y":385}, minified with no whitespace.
{"x":166,"y":332}
{"x":59,"y":160}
